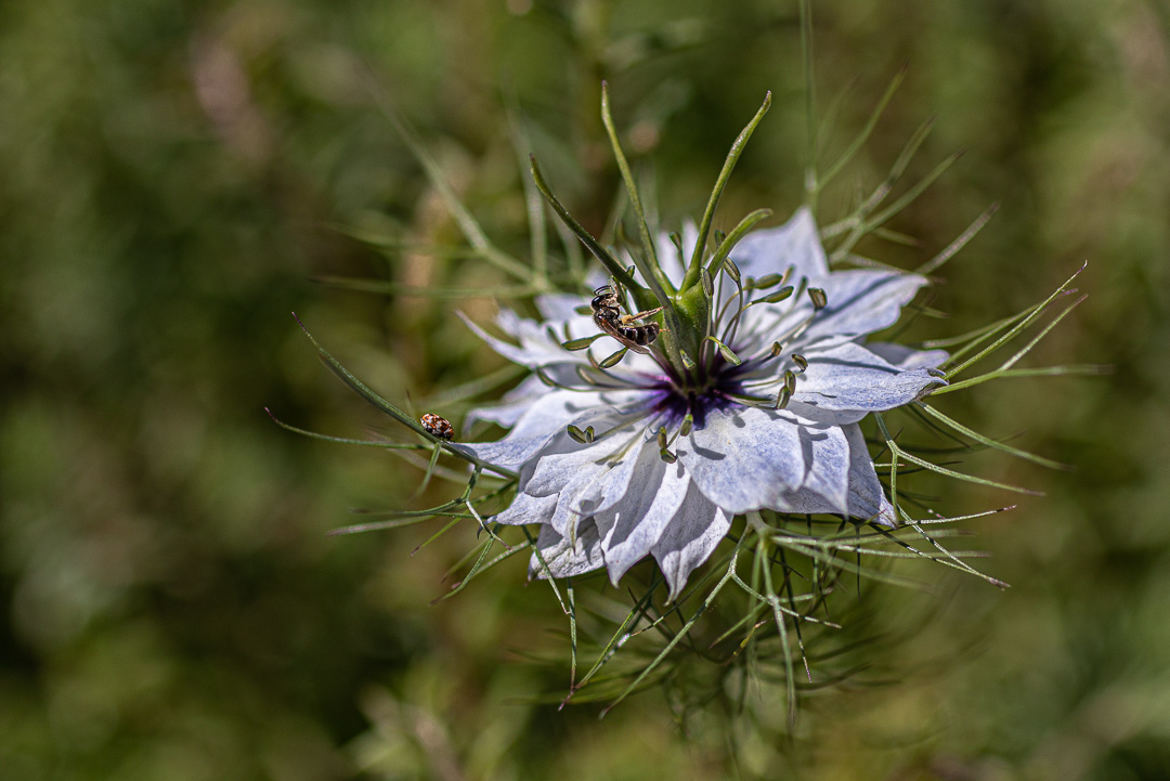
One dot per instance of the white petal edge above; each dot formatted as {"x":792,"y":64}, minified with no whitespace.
{"x":907,"y":357}
{"x":565,"y":558}
{"x":795,"y":244}
{"x":862,"y":301}
{"x":851,"y":378}
{"x":689,"y":539}
{"x":635,"y":523}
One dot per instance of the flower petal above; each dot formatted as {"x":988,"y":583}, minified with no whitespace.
{"x":795,"y":244}
{"x":515,"y":403}
{"x":861,"y":302}
{"x":635,"y":523}
{"x":566,"y":520}
{"x":827,"y":463}
{"x":744,"y":457}
{"x":533,"y":355}
{"x":560,"y":307}
{"x":564,"y":557}
{"x":907,"y":358}
{"x":540,"y":349}
{"x":545,"y":418}
{"x":556,"y":469}
{"x":607,"y":492}
{"x":526,"y":509}
{"x":689,"y":539}
{"x":864,"y":497}
{"x":849,"y":378}
{"x":582,"y":475}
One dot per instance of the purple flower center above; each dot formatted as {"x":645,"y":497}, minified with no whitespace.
{"x":704,"y":390}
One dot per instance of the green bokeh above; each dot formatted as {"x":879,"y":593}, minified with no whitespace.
{"x":174,"y":176}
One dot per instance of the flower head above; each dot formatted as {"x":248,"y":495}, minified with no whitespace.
{"x":755,"y":407}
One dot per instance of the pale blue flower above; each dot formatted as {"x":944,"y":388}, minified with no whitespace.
{"x":612,"y":501}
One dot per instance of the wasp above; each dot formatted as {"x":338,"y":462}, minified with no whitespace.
{"x":437,"y":426}
{"x":607,"y":314}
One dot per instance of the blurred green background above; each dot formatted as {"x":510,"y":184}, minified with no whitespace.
{"x":174,"y":176}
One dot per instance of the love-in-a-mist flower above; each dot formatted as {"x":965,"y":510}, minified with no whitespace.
{"x":754,"y":405}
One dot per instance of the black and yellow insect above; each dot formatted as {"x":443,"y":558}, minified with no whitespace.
{"x":607,"y":314}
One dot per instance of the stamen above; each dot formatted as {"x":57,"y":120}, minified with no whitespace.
{"x":614,"y":458}
{"x":727,"y":353}
{"x":580,"y":344}
{"x":774,"y":298}
{"x":585,"y":437}
{"x":733,"y":271}
{"x":801,"y":287}
{"x":637,"y":414}
{"x":799,"y":329}
{"x":803,"y":325}
{"x":763,"y":283}
{"x":683,"y":430}
{"x":613,"y":360}
{"x":592,"y":381}
{"x":762,"y":402}
{"x":788,"y":272}
{"x":730,"y":329}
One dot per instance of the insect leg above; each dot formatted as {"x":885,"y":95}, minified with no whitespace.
{"x":627,"y":319}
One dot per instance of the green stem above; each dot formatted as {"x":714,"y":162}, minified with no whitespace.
{"x":649,"y":267}
{"x":733,"y":156}
{"x":616,"y":269}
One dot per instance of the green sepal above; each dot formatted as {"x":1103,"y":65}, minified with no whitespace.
{"x":733,"y":156}
{"x":737,"y":233}
{"x":592,"y":244}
